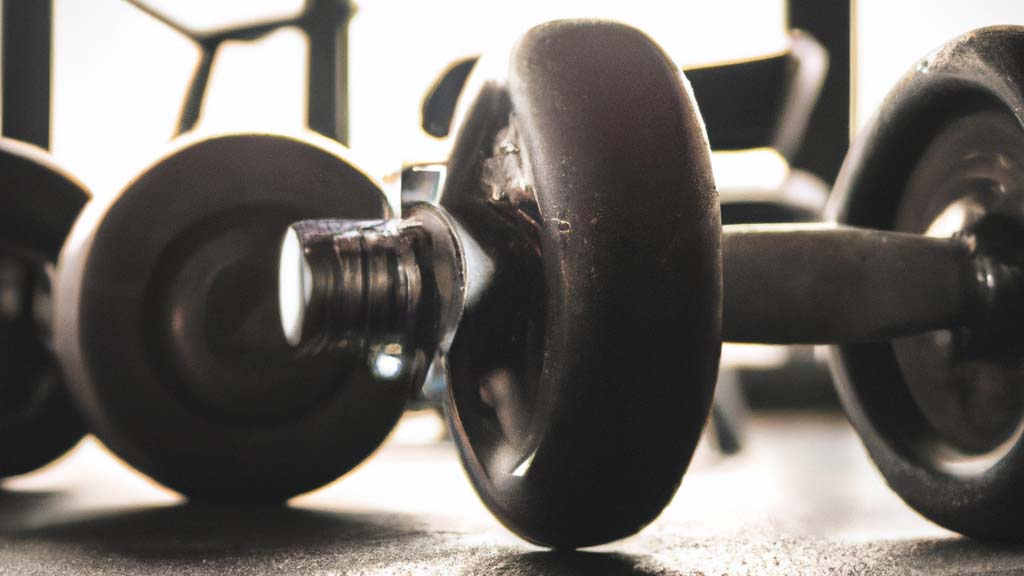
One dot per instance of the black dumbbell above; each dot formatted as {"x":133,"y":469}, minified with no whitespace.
{"x":571,"y":283}
{"x":575,"y":250}
{"x":38,"y":203}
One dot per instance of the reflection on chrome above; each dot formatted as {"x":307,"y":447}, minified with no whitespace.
{"x":524,"y":466}
{"x":955,"y":218}
{"x":479,"y":268}
{"x":295,"y":287}
{"x":387,"y":366}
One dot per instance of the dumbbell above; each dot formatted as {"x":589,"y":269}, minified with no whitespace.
{"x":568,"y":283}
{"x":38,"y":203}
{"x":571,"y":283}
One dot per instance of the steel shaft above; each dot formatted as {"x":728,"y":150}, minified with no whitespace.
{"x":819,"y":284}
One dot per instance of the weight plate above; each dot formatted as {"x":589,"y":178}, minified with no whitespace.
{"x":169,"y":325}
{"x":582,"y":371}
{"x":38,"y":204}
{"x":941,"y":413}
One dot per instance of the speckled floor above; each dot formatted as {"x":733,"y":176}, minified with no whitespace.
{"x":801,"y":499}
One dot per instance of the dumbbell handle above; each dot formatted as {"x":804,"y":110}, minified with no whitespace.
{"x":820,"y":283}
{"x":782,"y":283}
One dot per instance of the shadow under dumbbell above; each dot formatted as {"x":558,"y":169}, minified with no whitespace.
{"x":15,"y":504}
{"x":567,"y":563}
{"x":806,"y":507}
{"x":191,"y":532}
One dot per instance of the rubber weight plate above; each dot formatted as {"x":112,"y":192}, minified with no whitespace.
{"x":38,"y":204}
{"x":583,"y":368}
{"x":941,"y":413}
{"x":169,"y":325}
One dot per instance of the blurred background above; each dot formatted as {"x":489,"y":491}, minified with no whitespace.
{"x":119,"y":75}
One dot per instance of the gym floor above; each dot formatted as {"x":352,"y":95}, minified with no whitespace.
{"x":802,"y":498}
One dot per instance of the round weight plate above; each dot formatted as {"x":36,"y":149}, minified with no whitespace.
{"x":38,"y":204}
{"x":582,"y":371}
{"x":942,"y":413}
{"x":170,"y":332}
